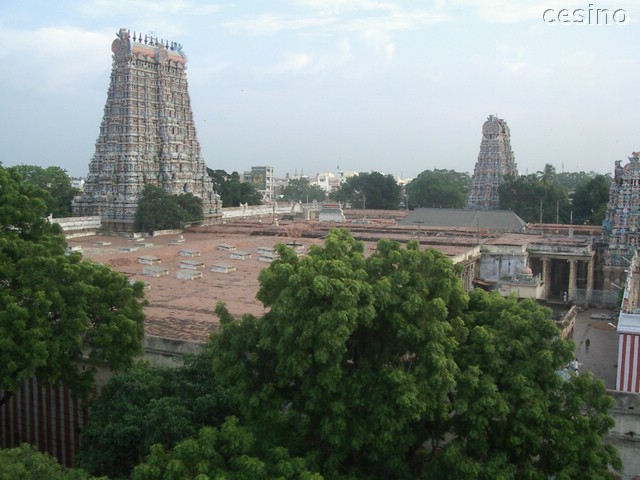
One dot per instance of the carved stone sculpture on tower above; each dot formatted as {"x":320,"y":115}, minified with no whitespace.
{"x":622,"y":221}
{"x":147,"y":135}
{"x":494,"y":162}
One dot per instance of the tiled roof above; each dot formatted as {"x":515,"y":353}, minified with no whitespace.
{"x":495,"y":220}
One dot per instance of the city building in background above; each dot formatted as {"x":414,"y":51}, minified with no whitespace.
{"x":261,"y":178}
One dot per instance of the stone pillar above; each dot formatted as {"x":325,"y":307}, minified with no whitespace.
{"x":546,"y":276}
{"x":589,"y":292}
{"x":573,"y":279}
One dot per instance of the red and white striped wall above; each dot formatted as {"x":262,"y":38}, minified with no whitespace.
{"x":628,"y":377}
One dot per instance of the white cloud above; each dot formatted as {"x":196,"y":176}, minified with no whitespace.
{"x":153,"y":8}
{"x":59,"y":60}
{"x":294,"y":62}
{"x":374,"y":23}
{"x":515,"y":67}
{"x":271,"y":23}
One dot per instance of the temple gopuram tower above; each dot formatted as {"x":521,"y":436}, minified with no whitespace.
{"x":147,"y":134}
{"x":622,"y":221}
{"x":494,"y":162}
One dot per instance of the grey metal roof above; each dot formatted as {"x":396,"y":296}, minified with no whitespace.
{"x":496,"y":220}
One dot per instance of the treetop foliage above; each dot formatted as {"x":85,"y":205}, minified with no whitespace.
{"x":27,"y":463}
{"x":145,"y":406}
{"x":55,"y":184}
{"x":219,"y":453}
{"x":370,"y":190}
{"x":232,"y":191}
{"x":159,"y":210}
{"x":380,"y":366}
{"x":301,"y":190}
{"x":57,"y":311}
{"x":438,"y":189}
{"x":550,"y":197}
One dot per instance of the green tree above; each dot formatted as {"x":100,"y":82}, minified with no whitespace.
{"x":547,"y":177}
{"x":26,"y":463}
{"x":438,"y":188}
{"x":59,"y":315}
{"x":512,"y":414}
{"x":232,"y":191}
{"x":370,"y":190}
{"x":56,"y":184}
{"x":190,"y":204}
{"x":159,"y":210}
{"x":227,"y":452}
{"x":358,"y":350}
{"x":590,"y":201}
{"x":301,"y":190}
{"x":382,"y":367}
{"x":144,"y":406}
{"x":572,"y":180}
{"x":533,"y":200}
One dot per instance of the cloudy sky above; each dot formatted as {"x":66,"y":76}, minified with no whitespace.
{"x":397,"y":86}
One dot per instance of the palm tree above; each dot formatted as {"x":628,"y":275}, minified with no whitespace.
{"x":547,"y":178}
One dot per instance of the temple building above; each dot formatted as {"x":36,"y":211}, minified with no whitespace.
{"x":494,"y":162}
{"x":622,"y":220}
{"x":628,"y":328}
{"x":147,"y":134}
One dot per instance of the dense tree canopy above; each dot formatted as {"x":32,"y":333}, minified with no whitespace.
{"x":159,"y":210}
{"x":144,"y":406}
{"x":27,"y":463}
{"x":573,"y":180}
{"x":590,"y":200}
{"x":301,"y":190}
{"x":536,"y":198}
{"x":382,"y":367}
{"x":438,"y":189}
{"x":550,"y":197}
{"x":57,"y":309}
{"x":55,"y":184}
{"x":221,"y":453}
{"x":512,"y":415}
{"x":370,"y":190}
{"x":232,"y":191}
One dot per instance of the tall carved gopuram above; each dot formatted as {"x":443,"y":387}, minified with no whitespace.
{"x":147,"y":134}
{"x":622,"y":221}
{"x":494,"y":162}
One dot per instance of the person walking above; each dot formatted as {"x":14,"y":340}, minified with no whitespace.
{"x":587,"y":344}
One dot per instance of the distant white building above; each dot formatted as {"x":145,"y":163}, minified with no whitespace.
{"x":77,"y":182}
{"x":328,"y":181}
{"x":345,"y":175}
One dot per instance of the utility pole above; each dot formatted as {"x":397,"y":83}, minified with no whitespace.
{"x":540,"y":211}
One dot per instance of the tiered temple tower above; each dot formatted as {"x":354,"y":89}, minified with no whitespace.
{"x":494,"y":162}
{"x":622,"y":222}
{"x":147,"y":135}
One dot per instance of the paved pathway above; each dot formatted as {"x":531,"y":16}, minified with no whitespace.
{"x":595,"y":330}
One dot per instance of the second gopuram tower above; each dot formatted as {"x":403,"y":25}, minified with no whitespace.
{"x":495,"y":160}
{"x":147,"y":134}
